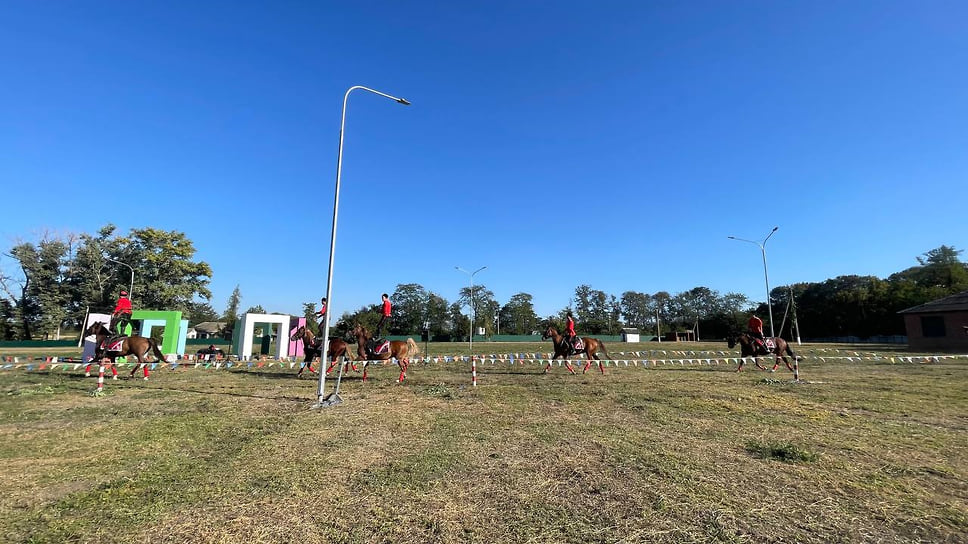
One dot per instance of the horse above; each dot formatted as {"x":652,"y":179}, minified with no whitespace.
{"x":337,"y":349}
{"x":749,"y":349}
{"x":129,"y":345}
{"x":399,"y":350}
{"x":591,"y":348}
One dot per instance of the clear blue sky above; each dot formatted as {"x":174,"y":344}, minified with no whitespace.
{"x":615,"y":144}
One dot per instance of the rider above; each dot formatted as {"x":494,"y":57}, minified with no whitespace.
{"x":755,"y":326}
{"x":121,"y":315}
{"x":384,"y":315}
{"x":322,"y":318}
{"x":570,"y":333}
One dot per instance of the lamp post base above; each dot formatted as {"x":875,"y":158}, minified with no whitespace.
{"x":331,"y":399}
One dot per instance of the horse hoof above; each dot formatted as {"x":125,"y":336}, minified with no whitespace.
{"x":114,"y":377}
{"x":87,"y":374}
{"x":146,"y":378}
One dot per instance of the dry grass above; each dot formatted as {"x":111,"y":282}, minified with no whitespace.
{"x":867,"y":452}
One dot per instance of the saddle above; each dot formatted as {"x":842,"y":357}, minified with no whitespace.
{"x":766,"y":344}
{"x":113,"y":343}
{"x":378,"y":346}
{"x":575,"y":346}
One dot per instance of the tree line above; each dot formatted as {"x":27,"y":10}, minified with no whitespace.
{"x":50,"y":285}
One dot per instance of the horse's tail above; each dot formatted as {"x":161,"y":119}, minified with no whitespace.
{"x":789,"y":351}
{"x":157,"y":352}
{"x":412,"y":348}
{"x":605,"y":351}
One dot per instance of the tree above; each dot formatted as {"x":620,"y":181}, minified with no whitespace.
{"x":43,"y":296}
{"x":231,"y":314}
{"x":637,"y":309}
{"x":480,"y":301}
{"x":409,"y":309}
{"x":438,"y":315}
{"x":168,"y":277}
{"x":200,"y":312}
{"x":517,"y":316}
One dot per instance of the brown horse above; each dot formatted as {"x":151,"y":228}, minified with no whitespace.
{"x":748,"y":348}
{"x":590,"y":348}
{"x":337,"y":349}
{"x":401,"y":351}
{"x":128,"y":345}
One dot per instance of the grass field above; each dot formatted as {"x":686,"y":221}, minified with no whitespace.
{"x":866,"y":451}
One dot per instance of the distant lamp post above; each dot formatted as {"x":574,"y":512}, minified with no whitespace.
{"x":471,"y":274}
{"x":131,"y":284}
{"x":762,"y":246}
{"x":332,"y":250}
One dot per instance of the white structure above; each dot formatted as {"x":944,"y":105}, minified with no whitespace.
{"x":630,"y":335}
{"x":89,"y":341}
{"x":243,"y":346}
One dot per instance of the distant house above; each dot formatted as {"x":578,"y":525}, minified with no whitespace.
{"x":938,"y":325}
{"x":630,"y":335}
{"x":207,"y":329}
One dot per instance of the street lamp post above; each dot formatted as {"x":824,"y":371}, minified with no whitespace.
{"x":332,"y":248}
{"x":130,"y":285}
{"x":766,"y":275}
{"x":471,"y":274}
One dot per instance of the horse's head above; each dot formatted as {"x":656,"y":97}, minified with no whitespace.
{"x":359,"y":331}
{"x":737,"y":338}
{"x":549,"y":332}
{"x":298,"y":334}
{"x":95,"y":329}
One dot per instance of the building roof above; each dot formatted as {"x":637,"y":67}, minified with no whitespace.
{"x":210,"y":327}
{"x":630,"y":330}
{"x":950,"y":303}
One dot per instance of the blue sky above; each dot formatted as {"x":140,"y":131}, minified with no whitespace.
{"x":615,"y":144}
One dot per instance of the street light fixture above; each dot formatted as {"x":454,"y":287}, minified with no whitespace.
{"x":766,"y":275}
{"x":471,"y":274}
{"x":320,"y":401}
{"x":130,"y":285}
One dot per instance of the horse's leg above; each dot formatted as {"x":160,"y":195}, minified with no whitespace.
{"x":365,"y":364}
{"x":402,"y":363}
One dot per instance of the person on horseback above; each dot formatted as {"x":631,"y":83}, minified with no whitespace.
{"x":121,"y":316}
{"x":570,"y":333}
{"x":384,"y":315}
{"x":755,"y":326}
{"x":322,"y":320}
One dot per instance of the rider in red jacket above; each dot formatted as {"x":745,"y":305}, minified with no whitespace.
{"x":570,"y":333}
{"x":121,"y":315}
{"x":756,"y":329}
{"x":385,"y":314}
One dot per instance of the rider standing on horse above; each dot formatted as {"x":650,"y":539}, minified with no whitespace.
{"x":570,"y":333}
{"x":384,"y":315}
{"x":121,"y":316}
{"x":755,"y":326}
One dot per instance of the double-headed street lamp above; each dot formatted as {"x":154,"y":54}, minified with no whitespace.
{"x":332,"y":247}
{"x":471,"y":274}
{"x":762,"y":246}
{"x":130,"y":285}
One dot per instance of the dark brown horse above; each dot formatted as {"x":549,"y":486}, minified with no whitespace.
{"x":590,"y":347}
{"x":749,"y":348}
{"x":337,"y":349}
{"x":401,"y":351}
{"x":129,"y":345}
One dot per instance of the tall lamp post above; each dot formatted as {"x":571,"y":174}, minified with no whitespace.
{"x":471,"y":274}
{"x":130,"y":285}
{"x":766,"y":275}
{"x":332,"y":248}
